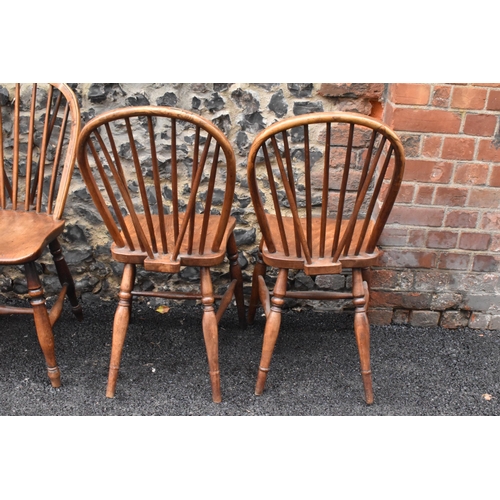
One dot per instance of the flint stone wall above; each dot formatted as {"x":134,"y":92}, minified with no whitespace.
{"x":415,"y":286}
{"x":240,"y":111}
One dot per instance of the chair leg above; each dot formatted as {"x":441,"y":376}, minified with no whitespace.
{"x":65,"y":277}
{"x":120,"y":325}
{"x":42,"y":323}
{"x":235,"y":271}
{"x":210,"y":332}
{"x":259,"y":270}
{"x":271,"y":330}
{"x":362,"y":331}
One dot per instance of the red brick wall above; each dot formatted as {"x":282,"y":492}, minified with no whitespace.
{"x":442,"y":242}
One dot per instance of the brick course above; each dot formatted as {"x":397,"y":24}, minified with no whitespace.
{"x":453,"y":221}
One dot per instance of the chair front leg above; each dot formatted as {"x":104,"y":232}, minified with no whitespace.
{"x":362,"y":330}
{"x":210,"y":332}
{"x":65,"y":277}
{"x":235,"y":271}
{"x":271,"y":330}
{"x":120,"y":325}
{"x":42,"y":323}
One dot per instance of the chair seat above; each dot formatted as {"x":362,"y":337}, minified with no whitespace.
{"x":24,"y":235}
{"x":319,"y":265}
{"x":162,"y":262}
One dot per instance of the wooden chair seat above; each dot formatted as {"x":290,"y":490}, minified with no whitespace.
{"x":324,"y":265}
{"x":25,"y":235}
{"x":163,"y":262}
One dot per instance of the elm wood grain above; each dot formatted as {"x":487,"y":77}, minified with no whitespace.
{"x":315,"y":224}
{"x":42,"y":139}
{"x":319,"y":263}
{"x":157,"y":199}
{"x":25,"y":235}
{"x":164,"y":261}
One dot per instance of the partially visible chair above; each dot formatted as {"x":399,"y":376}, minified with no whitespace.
{"x":163,"y":181}
{"x":330,"y":181}
{"x":39,"y":127}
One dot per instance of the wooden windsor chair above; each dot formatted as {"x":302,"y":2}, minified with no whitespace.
{"x":39,"y":127}
{"x":163,"y":181}
{"x":330,"y":181}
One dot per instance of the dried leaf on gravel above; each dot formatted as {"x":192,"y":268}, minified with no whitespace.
{"x":162,"y":309}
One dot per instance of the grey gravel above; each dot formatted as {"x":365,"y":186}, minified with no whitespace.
{"x":315,"y":367}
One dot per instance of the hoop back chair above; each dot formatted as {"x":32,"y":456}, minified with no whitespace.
{"x":39,"y":127}
{"x":330,"y":181}
{"x":163,"y":181}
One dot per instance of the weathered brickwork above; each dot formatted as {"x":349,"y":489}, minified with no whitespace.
{"x":441,"y":261}
{"x":445,"y":228}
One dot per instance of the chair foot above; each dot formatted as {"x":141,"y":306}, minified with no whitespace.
{"x":54,"y":376}
{"x":78,"y":312}
{"x":367,"y":384}
{"x":112,"y":379}
{"x":261,"y":381}
{"x":215,"y":382}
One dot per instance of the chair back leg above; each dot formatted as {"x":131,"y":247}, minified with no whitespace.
{"x":258,"y":270}
{"x":120,"y":326}
{"x":362,"y":330}
{"x":65,"y":277}
{"x":235,"y":271}
{"x":271,"y":330}
{"x":210,"y":332}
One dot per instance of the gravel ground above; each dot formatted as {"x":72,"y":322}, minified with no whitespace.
{"x":315,"y":368}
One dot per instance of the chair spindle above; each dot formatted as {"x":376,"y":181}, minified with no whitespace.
{"x":326,"y":178}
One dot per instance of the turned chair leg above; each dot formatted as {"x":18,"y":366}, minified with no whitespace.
{"x":259,"y":270}
{"x":42,"y":323}
{"x":120,"y":325}
{"x":362,"y":331}
{"x":271,"y":330}
{"x":65,"y":277}
{"x":235,"y":271}
{"x":210,"y":332}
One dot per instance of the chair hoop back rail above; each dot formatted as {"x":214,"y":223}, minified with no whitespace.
{"x":39,"y":126}
{"x":330,"y":180}
{"x":163,"y":182}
